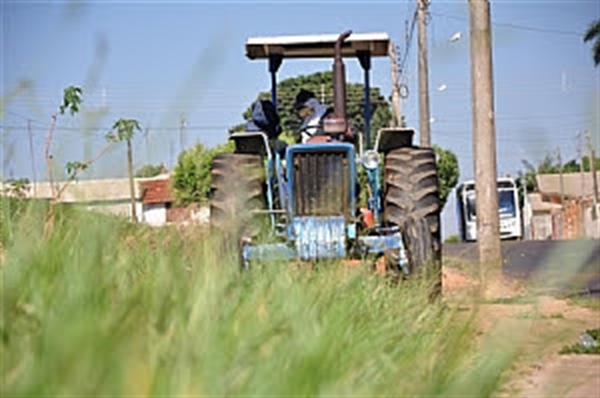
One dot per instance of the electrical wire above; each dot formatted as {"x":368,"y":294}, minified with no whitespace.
{"x":408,"y":43}
{"x":514,"y":26}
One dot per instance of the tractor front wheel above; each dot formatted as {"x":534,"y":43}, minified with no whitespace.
{"x":411,"y":202}
{"x":237,"y":196}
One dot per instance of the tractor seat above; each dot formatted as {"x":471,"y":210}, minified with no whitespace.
{"x":266,"y":118}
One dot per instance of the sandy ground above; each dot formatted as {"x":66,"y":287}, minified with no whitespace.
{"x":540,"y":326}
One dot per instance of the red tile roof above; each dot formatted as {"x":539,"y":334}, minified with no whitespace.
{"x":157,"y":191}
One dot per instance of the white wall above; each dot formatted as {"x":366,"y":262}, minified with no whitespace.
{"x":122,"y":209}
{"x":154,"y":214}
{"x":592,"y":226}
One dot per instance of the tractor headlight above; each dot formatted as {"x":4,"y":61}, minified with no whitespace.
{"x":370,"y":159}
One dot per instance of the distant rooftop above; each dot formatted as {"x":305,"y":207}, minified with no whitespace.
{"x":573,"y":184}
{"x":317,"y":46}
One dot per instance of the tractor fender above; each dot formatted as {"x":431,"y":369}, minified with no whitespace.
{"x":256,"y":143}
{"x":391,"y":138}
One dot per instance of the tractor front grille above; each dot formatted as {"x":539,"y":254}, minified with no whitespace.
{"x":321,"y":183}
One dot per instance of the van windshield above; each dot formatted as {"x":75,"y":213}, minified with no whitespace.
{"x":506,"y":205}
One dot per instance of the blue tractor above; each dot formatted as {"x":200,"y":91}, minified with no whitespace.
{"x":299,"y":201}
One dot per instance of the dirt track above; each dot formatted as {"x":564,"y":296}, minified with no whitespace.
{"x":548,"y":325}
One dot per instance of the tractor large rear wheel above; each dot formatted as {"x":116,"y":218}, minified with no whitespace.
{"x":411,"y":202}
{"x":237,"y":196}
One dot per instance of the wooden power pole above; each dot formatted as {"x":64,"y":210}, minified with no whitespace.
{"x":484,"y":136}
{"x":424,"y":128}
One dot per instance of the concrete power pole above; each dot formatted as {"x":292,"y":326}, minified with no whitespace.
{"x":396,"y":105}
{"x":182,"y":125}
{"x":562,"y":183}
{"x":31,"y":154}
{"x":594,"y":177}
{"x":424,"y":130}
{"x":581,"y":230}
{"x":581,"y":170}
{"x":484,"y":136}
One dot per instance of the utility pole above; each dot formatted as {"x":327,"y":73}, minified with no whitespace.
{"x":425,"y":133}
{"x":396,"y":105}
{"x":593,"y":170}
{"x":582,"y":192}
{"x":171,"y":150}
{"x":484,"y":136}
{"x":182,"y":124}
{"x":31,"y":154}
{"x":581,"y":169}
{"x":562,"y":183}
{"x":131,"y":183}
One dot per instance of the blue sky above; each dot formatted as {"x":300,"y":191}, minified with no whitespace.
{"x":155,"y":61}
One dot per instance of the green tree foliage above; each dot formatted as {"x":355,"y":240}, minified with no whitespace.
{"x":150,"y":170}
{"x":123,"y":130}
{"x":322,"y":82}
{"x":593,"y":34}
{"x":191,"y":176}
{"x":71,"y":100}
{"x":448,"y":172}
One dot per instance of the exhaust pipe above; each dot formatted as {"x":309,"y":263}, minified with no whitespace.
{"x":337,"y":122}
{"x":339,"y":77}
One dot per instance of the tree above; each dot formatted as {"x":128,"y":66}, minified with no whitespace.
{"x":72,"y":103}
{"x":321,"y":83}
{"x":448,"y":172}
{"x":191,"y":175}
{"x":593,"y":33}
{"x":123,"y":130}
{"x":72,"y":99}
{"x":526,"y":180}
{"x":150,"y":170}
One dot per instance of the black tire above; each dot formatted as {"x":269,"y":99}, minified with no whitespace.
{"x":411,"y":202}
{"x":419,"y":241}
{"x":237,"y":193}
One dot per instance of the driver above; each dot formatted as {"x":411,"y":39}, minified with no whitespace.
{"x":312,"y":112}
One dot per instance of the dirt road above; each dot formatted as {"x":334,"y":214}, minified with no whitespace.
{"x":545,"y":325}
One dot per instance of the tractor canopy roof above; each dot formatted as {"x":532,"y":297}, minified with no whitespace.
{"x":317,"y":46}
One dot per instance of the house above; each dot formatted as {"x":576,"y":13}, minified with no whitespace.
{"x":157,"y":198}
{"x":154,"y":198}
{"x":158,"y":205}
{"x":563,"y":207}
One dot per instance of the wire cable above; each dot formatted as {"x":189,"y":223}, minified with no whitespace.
{"x":514,"y":26}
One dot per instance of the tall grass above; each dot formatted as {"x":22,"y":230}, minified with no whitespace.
{"x":101,"y":307}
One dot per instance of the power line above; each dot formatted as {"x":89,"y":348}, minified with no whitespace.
{"x":515,"y":26}
{"x":408,"y":43}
